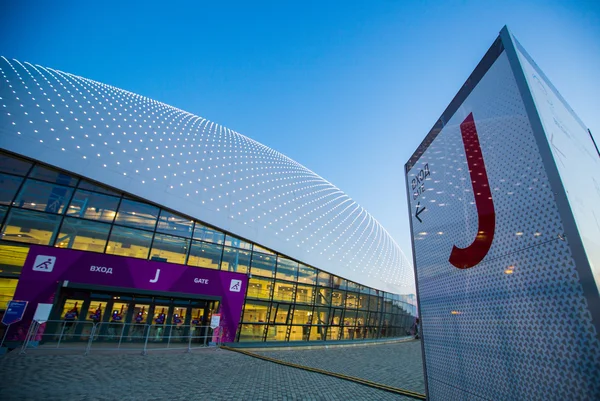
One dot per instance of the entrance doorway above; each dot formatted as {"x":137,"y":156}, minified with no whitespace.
{"x":124,"y":316}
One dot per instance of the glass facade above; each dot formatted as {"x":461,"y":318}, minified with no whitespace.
{"x":285,"y":301}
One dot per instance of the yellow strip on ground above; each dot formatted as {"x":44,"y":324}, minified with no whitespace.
{"x":358,"y":380}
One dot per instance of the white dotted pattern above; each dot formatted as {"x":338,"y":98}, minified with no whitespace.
{"x":192,"y":165}
{"x":516,"y":325}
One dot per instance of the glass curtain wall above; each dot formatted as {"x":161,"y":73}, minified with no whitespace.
{"x":285,"y":301}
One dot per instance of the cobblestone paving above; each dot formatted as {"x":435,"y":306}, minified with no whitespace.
{"x":207,"y":374}
{"x":397,"y":364}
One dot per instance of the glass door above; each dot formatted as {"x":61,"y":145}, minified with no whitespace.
{"x":159,"y":322}
{"x":115,"y":326}
{"x":138,"y":322}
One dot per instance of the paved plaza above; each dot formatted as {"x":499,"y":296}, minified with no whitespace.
{"x":211,"y":374}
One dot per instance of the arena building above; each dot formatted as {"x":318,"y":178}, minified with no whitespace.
{"x":118,"y":208}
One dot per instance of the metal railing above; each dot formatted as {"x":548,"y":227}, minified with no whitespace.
{"x":113,"y":336}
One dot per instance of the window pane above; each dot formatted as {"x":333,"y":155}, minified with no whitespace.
{"x":3,"y":210}
{"x":374,"y":303}
{"x":302,"y":315}
{"x":51,"y":175}
{"x":12,"y":165}
{"x":352,"y":286}
{"x":259,"y":288}
{"x":305,"y":294}
{"x":351,"y":300}
{"x":324,"y":279}
{"x":321,"y":316}
{"x":84,"y":184}
{"x":307,"y":274}
{"x":129,"y":242}
{"x":337,"y":298}
{"x":255,"y":311}
{"x":363,"y":301}
{"x":235,"y":260}
{"x":166,"y":248}
{"x":251,"y":332}
{"x":287,"y":269}
{"x":323,"y":296}
{"x":9,"y":185}
{"x":208,"y":234}
{"x":280,"y":313}
{"x":12,"y":257}
{"x":235,"y":242}
{"x":283,"y":292}
{"x":42,"y":196}
{"x":339,"y":282}
{"x":171,"y":223}
{"x":263,"y":265}
{"x":204,"y":254}
{"x":137,"y":214}
{"x":276,"y":332}
{"x":7,"y":291}
{"x":262,"y":250}
{"x":31,"y":227}
{"x":90,"y":205}
{"x":318,"y":333}
{"x":83,"y":234}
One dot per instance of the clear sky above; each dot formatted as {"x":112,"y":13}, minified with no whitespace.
{"x":348,"y":88}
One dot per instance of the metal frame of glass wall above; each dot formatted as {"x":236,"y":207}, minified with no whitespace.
{"x":285,"y":300}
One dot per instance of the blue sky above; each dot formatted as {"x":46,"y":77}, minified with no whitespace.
{"x":347,"y":88}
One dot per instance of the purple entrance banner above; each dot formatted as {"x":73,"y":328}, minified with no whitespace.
{"x":46,"y":266}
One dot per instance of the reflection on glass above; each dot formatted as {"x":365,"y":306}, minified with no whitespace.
{"x":323,"y":296}
{"x":305,"y":294}
{"x":280,"y":313}
{"x":90,"y":205}
{"x":204,"y":254}
{"x":43,"y":196}
{"x":283,"y":292}
{"x":307,"y":274}
{"x":174,"y":224}
{"x":263,"y":265}
{"x":339,"y":283}
{"x":324,"y":279}
{"x":276,"y":332}
{"x":129,"y":242}
{"x":167,"y":248}
{"x":235,"y":242}
{"x":137,"y":214}
{"x":54,"y":176}
{"x":32,"y":227}
{"x":12,"y":257}
{"x":87,"y":185}
{"x":338,"y":298}
{"x":235,"y":260}
{"x":7,"y":291}
{"x":287,"y":269}
{"x":255,"y":312}
{"x":83,"y":235}
{"x":251,"y":332}
{"x":208,"y":234}
{"x":259,"y":288}
{"x":13,"y":165}
{"x":9,"y":185}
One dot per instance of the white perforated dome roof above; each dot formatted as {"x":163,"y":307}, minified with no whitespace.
{"x":197,"y":167}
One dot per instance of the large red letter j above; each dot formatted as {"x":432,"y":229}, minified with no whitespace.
{"x":463,"y":258}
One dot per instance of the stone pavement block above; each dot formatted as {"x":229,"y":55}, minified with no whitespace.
{"x":208,"y":374}
{"x":398,"y":364}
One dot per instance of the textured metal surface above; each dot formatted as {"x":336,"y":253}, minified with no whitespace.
{"x":516,"y":325}
{"x":197,"y":167}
